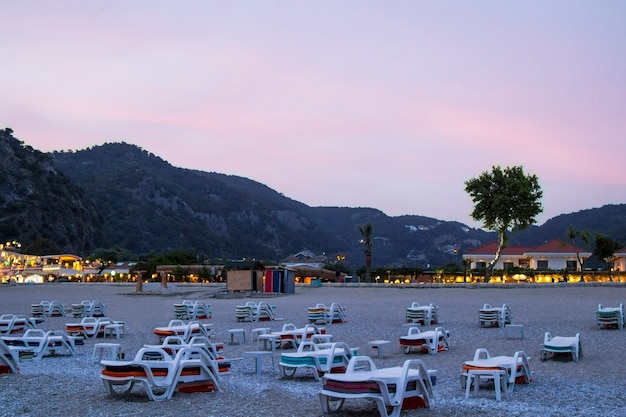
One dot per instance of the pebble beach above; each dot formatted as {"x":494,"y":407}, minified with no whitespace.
{"x":70,"y":385}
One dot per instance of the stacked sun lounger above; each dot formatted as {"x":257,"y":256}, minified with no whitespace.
{"x":254,"y":312}
{"x":87,"y":308}
{"x":89,"y":326}
{"x":192,"y":310}
{"x":422,"y":314}
{"x":48,"y":309}
{"x":392,"y":389}
{"x":172,"y":344}
{"x":161,"y":374}
{"x":184,"y":330}
{"x":494,"y":316}
{"x":321,"y":314}
{"x":561,"y":344}
{"x":610,"y":317}
{"x":37,"y":343}
{"x":14,"y":323}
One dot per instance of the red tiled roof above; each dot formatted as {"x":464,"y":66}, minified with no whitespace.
{"x":556,"y":246}
{"x":490,"y":249}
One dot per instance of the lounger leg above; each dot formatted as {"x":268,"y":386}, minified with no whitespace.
{"x":330,"y":404}
{"x":157,"y":393}
{"x":496,"y":385}
{"x":383,"y":409}
{"x":287,"y":372}
{"x":126,"y":386}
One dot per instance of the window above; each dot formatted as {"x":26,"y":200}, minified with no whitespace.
{"x":480,"y":264}
{"x":508,"y":265}
{"x":571,"y":265}
{"x":542,"y":264}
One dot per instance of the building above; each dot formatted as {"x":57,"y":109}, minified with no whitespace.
{"x":552,"y":255}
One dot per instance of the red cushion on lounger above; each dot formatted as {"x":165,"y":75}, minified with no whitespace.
{"x":197,"y":386}
{"x":412,"y":403}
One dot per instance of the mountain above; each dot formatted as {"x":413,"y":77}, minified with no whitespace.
{"x":119,"y":195}
{"x":38,"y":202}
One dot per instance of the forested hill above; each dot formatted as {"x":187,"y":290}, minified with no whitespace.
{"x":38,"y":202}
{"x":119,"y":195}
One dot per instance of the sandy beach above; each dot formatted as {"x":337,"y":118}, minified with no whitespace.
{"x":70,"y":385}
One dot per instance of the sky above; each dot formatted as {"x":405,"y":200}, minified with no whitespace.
{"x":354,"y":103}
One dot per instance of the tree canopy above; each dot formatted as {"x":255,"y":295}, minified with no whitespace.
{"x":605,"y":249}
{"x":505,"y":199}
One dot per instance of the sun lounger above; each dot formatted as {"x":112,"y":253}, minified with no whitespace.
{"x":392,"y":389}
{"x":192,"y":310}
{"x":610,"y":317}
{"x":422,"y":314}
{"x":559,"y":344}
{"x":172,"y":344}
{"x":489,"y":316}
{"x":254,"y":312}
{"x":292,"y":336}
{"x":48,"y":309}
{"x":89,"y":326}
{"x":506,"y":371}
{"x":321,"y":314}
{"x":430,"y":341}
{"x":190,"y":370}
{"x":37,"y":343}
{"x":9,"y":359}
{"x":319,"y":358}
{"x":185,"y":330}
{"x":13,"y":323}
{"x":87,"y":308}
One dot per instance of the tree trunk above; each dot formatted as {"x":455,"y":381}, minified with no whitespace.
{"x":139,"y":284}
{"x":496,"y":258}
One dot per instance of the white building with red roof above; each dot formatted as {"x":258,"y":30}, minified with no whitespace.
{"x":552,"y":255}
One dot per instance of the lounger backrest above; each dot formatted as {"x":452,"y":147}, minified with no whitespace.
{"x":360,"y":364}
{"x":481,"y":353}
{"x":413,"y":330}
{"x":34,"y":333}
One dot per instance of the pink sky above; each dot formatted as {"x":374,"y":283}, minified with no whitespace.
{"x":384,"y":104}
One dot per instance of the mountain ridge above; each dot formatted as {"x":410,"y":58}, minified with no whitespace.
{"x":130,"y":198}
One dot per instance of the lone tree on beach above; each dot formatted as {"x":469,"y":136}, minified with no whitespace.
{"x":366,"y":234}
{"x":504,"y":199}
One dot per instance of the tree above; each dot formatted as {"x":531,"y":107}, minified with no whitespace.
{"x":504,"y":199}
{"x":605,"y":249}
{"x":573,"y":236}
{"x":43,"y":246}
{"x":366,"y":235}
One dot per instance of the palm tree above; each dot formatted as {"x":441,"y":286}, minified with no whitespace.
{"x":366,"y":234}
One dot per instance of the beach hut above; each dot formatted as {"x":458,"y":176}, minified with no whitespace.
{"x":279,"y":280}
{"x":244,"y":275}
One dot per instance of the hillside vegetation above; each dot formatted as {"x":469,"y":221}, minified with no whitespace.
{"x":119,"y":195}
